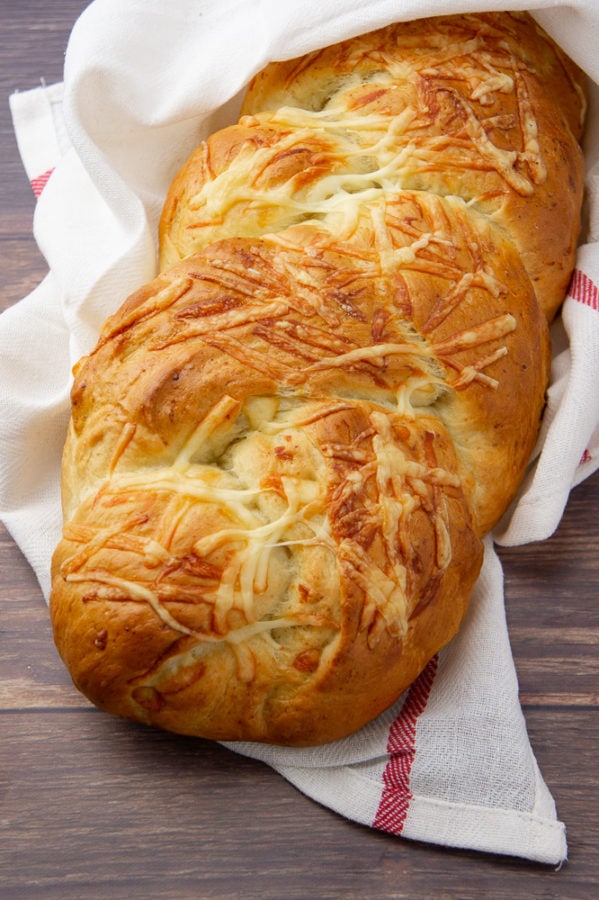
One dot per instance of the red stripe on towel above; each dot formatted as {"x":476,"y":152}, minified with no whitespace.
{"x":39,"y":183}
{"x":401,"y":747}
{"x":584,"y":290}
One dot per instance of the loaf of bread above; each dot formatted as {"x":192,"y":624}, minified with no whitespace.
{"x":284,"y":451}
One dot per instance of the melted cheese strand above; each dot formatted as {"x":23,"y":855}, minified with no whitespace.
{"x":134,"y":591}
{"x":220,"y":413}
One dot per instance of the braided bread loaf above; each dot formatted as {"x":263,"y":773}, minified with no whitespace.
{"x":284,"y":451}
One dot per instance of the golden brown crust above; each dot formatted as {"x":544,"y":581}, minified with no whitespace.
{"x":484,"y":107}
{"x":285,"y":450}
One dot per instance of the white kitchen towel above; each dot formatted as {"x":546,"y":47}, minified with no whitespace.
{"x":144,"y":82}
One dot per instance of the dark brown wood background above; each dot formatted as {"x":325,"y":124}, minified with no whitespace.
{"x":92,"y":807}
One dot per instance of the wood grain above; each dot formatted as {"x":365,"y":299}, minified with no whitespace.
{"x":92,"y":807}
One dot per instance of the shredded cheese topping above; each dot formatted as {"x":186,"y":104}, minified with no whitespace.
{"x":204,"y":526}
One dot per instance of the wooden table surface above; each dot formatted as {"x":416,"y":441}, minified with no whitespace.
{"x":93,"y":807}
